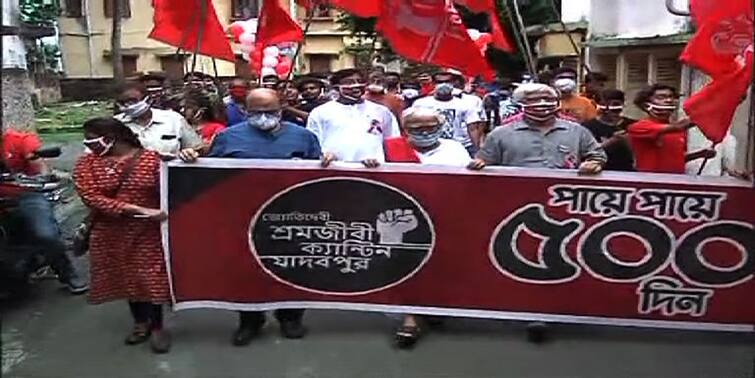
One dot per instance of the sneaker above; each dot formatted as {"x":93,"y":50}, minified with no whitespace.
{"x":293,"y":329}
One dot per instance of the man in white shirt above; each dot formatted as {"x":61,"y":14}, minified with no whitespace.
{"x":464,"y":118}
{"x":350,"y":128}
{"x":163,"y":131}
{"x":423,"y":143}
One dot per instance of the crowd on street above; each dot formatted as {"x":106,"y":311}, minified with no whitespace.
{"x":370,"y":117}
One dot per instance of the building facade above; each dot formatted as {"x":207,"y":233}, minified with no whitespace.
{"x":85,"y":33}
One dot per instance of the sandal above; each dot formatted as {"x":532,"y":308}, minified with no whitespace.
{"x":407,"y":336}
{"x":139,"y":334}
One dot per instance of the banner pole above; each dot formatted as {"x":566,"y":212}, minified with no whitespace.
{"x":200,"y":33}
{"x":307,"y":24}
{"x":528,"y":49}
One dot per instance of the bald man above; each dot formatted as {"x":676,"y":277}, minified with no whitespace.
{"x":265,"y":136}
{"x":423,"y":143}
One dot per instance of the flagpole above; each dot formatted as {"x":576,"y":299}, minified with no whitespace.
{"x":200,"y":33}
{"x":528,"y":50}
{"x":307,"y":23}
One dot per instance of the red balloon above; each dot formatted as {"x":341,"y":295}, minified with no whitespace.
{"x":283,"y":68}
{"x":236,"y":30}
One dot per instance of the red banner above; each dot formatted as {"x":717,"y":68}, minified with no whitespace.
{"x":506,"y":243}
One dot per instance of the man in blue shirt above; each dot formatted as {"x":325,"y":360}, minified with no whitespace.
{"x":264,"y":136}
{"x":235,"y":109}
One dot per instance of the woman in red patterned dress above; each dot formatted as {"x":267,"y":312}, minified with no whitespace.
{"x":119,"y":180}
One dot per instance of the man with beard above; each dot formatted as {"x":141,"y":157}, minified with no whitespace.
{"x":350,"y":128}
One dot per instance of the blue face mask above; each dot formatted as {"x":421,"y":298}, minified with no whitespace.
{"x":424,"y":139}
{"x":264,"y":121}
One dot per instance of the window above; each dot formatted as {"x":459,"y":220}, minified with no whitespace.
{"x":125,"y":8}
{"x":173,"y":66}
{"x":245,"y":9}
{"x":319,"y":62}
{"x":73,"y":8}
{"x":607,"y":66}
{"x":129,"y":65}
{"x":637,"y":72}
{"x":668,"y":71}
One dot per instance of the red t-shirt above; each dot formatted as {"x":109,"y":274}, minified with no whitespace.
{"x":653,"y":154}
{"x":209,"y":130}
{"x":17,"y":146}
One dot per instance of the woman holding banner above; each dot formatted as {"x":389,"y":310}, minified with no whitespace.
{"x":118,"y":181}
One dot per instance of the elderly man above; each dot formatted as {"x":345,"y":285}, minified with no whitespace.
{"x":163,"y":131}
{"x":540,"y":139}
{"x":423,"y":143}
{"x":265,"y":136}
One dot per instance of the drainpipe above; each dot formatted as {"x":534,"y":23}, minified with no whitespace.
{"x":90,"y":43}
{"x":671,"y":6}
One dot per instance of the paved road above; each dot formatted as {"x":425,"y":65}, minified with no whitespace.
{"x":57,"y":336}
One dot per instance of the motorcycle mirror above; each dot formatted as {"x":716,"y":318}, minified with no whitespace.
{"x":48,"y":152}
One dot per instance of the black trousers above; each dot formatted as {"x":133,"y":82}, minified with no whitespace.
{"x":255,"y":319}
{"x":146,"y":312}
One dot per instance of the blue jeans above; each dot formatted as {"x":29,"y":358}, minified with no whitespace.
{"x":42,"y":229}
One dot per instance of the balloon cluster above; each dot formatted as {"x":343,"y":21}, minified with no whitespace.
{"x":482,"y":40}
{"x":265,"y":60}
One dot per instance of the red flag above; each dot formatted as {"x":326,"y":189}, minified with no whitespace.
{"x":725,"y":31}
{"x":713,"y":108}
{"x":501,"y":39}
{"x":178,"y":24}
{"x":276,"y":26}
{"x":431,"y":31}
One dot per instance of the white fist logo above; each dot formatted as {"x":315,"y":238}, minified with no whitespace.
{"x":393,"y":224}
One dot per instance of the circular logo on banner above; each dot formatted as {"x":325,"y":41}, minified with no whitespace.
{"x":342,"y":235}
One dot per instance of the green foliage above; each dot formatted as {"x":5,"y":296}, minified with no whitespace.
{"x":39,"y":12}
{"x":70,"y":115}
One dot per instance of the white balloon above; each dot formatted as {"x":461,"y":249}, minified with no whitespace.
{"x":247,"y":39}
{"x":272,"y":51}
{"x":250,"y":25}
{"x":269,"y":61}
{"x":268,"y":71}
{"x":474,"y":34}
{"x":247,"y":49}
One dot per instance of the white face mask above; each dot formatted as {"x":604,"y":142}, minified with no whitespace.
{"x":136,"y":109}
{"x":264,"y":121}
{"x":424,"y":139}
{"x":98,"y":146}
{"x":610,"y":108}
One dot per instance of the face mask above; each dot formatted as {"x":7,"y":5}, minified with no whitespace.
{"x":376,"y":88}
{"x":541,"y":111}
{"x":661,"y":111}
{"x":615,"y":109}
{"x":352,"y":92}
{"x":238,"y":92}
{"x":444,"y":89}
{"x":565,"y":85}
{"x":264,"y":121}
{"x":136,"y":110}
{"x":424,"y":139}
{"x":98,"y":146}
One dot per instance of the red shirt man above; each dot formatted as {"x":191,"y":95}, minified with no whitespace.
{"x":18,"y":150}
{"x":659,"y":144}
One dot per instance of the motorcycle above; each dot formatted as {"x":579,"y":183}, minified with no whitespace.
{"x":20,"y":258}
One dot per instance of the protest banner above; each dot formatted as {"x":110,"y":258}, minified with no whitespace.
{"x":651,"y":250}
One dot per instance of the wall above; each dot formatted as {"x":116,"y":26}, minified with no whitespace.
{"x":75,"y":49}
{"x":576,"y":10}
{"x":635,"y":18}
